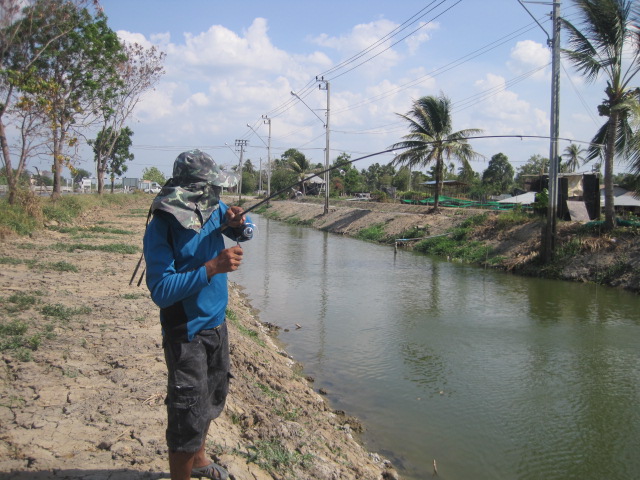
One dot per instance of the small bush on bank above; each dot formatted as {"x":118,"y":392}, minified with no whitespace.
{"x":374,"y":233}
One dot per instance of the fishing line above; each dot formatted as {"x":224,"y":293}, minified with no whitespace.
{"x":391,"y":150}
{"x":348,"y":162}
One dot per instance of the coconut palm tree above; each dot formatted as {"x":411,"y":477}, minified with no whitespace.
{"x":574,"y":156}
{"x":299,"y":164}
{"x":431,"y":139}
{"x":607,"y":43}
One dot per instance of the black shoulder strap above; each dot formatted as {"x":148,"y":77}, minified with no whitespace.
{"x":135,"y":271}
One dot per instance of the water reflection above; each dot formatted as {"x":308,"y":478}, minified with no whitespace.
{"x":493,"y":375}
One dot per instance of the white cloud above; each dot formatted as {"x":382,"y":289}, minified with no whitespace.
{"x":221,"y":50}
{"x":528,"y":55}
{"x":362,"y":37}
{"x":504,"y":113}
{"x":421,"y":36}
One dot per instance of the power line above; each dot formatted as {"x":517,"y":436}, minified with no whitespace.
{"x":393,"y":44}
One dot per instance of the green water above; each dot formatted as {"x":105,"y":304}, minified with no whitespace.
{"x":493,"y":376}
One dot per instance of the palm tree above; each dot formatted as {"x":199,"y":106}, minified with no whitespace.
{"x":573,"y":153}
{"x":298,"y":164}
{"x":609,"y":33}
{"x":431,"y":139}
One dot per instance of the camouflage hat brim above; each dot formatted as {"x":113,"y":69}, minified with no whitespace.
{"x":193,"y":193}
{"x":196,"y":166}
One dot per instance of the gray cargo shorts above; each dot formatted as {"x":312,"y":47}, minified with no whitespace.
{"x":197,"y":386}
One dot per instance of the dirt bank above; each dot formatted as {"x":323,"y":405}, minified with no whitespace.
{"x":583,"y":256}
{"x":82,"y":376}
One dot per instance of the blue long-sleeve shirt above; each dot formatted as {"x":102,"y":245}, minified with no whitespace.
{"x":177,"y":278}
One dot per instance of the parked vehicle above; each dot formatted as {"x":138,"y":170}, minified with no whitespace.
{"x":149,"y":187}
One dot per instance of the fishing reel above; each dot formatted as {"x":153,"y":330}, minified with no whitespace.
{"x":248,"y":229}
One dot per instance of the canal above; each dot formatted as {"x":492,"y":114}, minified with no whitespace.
{"x":490,"y":375}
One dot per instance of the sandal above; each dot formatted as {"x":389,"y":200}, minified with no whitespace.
{"x":213,"y":471}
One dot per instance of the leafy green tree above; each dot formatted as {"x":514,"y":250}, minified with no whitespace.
{"x":402,"y":179}
{"x":375,"y":174}
{"x":22,"y":178}
{"x":467,"y":174}
{"x":432,"y":139}
{"x":536,"y":165}
{"x":119,"y":154}
{"x":498,"y":177}
{"x":138,"y":69}
{"x":607,"y":43}
{"x":73,"y":74}
{"x":20,"y":24}
{"x":281,"y":178}
{"x":628,"y":181}
{"x":574,"y":157}
{"x":353,"y":182}
{"x":249,"y":180}
{"x":248,"y":166}
{"x":297,"y":163}
{"x":79,"y":174}
{"x":154,"y":175}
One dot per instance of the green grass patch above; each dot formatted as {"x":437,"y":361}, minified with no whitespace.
{"x":132,"y":296}
{"x":262,"y":209}
{"x":110,"y":248}
{"x":275,"y":458}
{"x":92,"y":229}
{"x":29,"y":213}
{"x":607,"y":275}
{"x":14,"y":337}
{"x":61,"y":266}
{"x":63,"y":313}
{"x":455,"y":249}
{"x":16,"y":219}
{"x":511,"y":218}
{"x":10,"y":261}
{"x":475,"y":220}
{"x":415,"y":232}
{"x":63,"y":210}
{"x":21,"y":301}
{"x":298,"y":222}
{"x":374,"y":233}
{"x":247,"y":332}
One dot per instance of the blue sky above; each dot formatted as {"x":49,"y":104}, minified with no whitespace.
{"x":229,"y":63}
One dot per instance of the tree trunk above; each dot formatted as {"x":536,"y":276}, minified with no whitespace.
{"x":12,"y":181}
{"x":57,"y":163}
{"x":609,"y":206}
{"x":100,"y":173}
{"x":438,"y":189}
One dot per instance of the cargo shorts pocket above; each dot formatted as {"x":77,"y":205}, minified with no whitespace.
{"x":185,"y":422}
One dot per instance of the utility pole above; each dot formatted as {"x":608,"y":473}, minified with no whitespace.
{"x":324,"y":85}
{"x":241,"y":144}
{"x":549,"y":230}
{"x":549,"y":239}
{"x":267,"y":120}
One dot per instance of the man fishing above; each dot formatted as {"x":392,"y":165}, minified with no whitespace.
{"x":187,"y":266}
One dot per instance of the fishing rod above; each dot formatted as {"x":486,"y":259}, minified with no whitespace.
{"x":390,"y":150}
{"x":262,"y":202}
{"x":306,"y":179}
{"x":348,"y":162}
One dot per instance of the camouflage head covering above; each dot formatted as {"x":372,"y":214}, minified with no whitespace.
{"x":193,"y":193}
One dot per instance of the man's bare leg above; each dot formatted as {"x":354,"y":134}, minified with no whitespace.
{"x":181,"y":463}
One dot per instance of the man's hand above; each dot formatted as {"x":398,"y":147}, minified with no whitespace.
{"x":235,"y":217}
{"x":228,"y":260}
